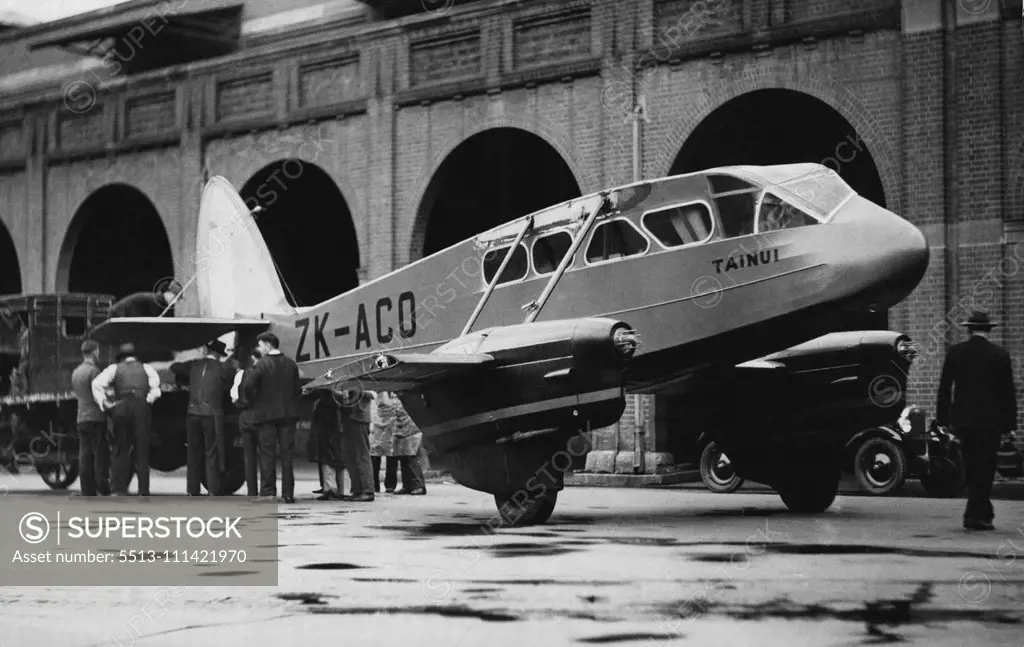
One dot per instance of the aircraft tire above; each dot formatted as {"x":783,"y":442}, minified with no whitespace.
{"x":813,"y":494}
{"x":535,"y":510}
{"x":718,"y":477}
{"x":59,"y":476}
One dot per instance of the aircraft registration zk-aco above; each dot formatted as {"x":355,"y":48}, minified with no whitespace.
{"x":500,"y":358}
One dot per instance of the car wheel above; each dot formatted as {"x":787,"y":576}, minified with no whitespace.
{"x":880,"y":466}
{"x":717,"y":471}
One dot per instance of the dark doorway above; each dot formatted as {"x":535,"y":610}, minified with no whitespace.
{"x":784,"y":127}
{"x":491,"y":178}
{"x":116,"y":245}
{"x":10,"y":272}
{"x":308,"y":229}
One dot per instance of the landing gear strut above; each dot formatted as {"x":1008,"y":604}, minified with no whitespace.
{"x":523,"y":509}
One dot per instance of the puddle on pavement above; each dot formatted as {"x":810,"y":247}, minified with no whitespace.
{"x":329,"y":566}
{"x":482,"y":590}
{"x":444,"y":529}
{"x":609,"y":639}
{"x":890,"y":613}
{"x":862,"y":549}
{"x":447,"y":611}
{"x":720,"y":558}
{"x":528,"y":550}
{"x":640,"y":541}
{"x":591,"y":598}
{"x":305,"y":598}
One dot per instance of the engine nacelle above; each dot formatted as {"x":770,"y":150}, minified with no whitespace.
{"x":554,"y":374}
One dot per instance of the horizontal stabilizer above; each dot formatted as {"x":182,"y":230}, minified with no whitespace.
{"x":170,"y":333}
{"x":398,"y":372}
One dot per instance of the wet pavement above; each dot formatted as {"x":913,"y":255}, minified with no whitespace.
{"x":613,"y":566}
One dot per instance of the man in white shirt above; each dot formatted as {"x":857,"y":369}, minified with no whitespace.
{"x":135,"y":387}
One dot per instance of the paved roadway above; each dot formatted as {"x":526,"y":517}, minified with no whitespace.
{"x":613,"y":566}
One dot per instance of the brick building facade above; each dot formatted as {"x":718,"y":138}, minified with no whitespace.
{"x":367,"y":107}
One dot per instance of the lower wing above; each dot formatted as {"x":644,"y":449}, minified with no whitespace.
{"x":170,"y":333}
{"x":398,"y":372}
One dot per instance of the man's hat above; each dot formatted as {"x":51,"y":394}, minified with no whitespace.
{"x":126,"y":350}
{"x":980,"y":320}
{"x":89,"y":346}
{"x":217,"y":346}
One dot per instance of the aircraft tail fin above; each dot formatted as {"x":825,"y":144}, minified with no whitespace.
{"x":235,"y":274}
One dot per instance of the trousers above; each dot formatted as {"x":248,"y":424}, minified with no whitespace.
{"x":203,"y":455}
{"x":276,"y":433}
{"x":355,"y":449}
{"x":412,"y":473}
{"x":94,"y":458}
{"x":251,"y":456}
{"x":132,"y":419}
{"x":981,"y":447}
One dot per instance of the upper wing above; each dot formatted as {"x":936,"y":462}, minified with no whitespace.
{"x":398,"y":372}
{"x":171,"y":333}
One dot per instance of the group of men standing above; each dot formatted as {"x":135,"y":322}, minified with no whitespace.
{"x":266,"y":390}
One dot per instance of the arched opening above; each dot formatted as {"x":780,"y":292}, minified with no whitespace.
{"x":492,"y":177}
{"x":10,"y":271}
{"x":308,"y":229}
{"x":116,"y":245}
{"x":783,"y":127}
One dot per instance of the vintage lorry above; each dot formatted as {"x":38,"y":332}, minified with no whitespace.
{"x":40,"y":346}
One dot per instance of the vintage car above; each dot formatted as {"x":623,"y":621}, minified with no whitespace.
{"x":40,"y":346}
{"x":845,"y":399}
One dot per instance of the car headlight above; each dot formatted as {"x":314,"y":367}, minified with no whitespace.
{"x":907,"y":350}
{"x":904,"y":421}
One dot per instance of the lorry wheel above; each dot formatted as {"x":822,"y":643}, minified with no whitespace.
{"x":880,"y":466}
{"x":948,"y":475}
{"x":59,"y":476}
{"x":233,"y":478}
{"x":534,"y":510}
{"x":717,"y":471}
{"x":810,"y":494}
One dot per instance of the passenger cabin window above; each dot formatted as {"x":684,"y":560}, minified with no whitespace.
{"x":615,"y":239}
{"x":735,"y":200}
{"x":74,"y":327}
{"x":515,"y":270}
{"x":678,"y":226}
{"x":548,"y":251}
{"x":776,"y":214}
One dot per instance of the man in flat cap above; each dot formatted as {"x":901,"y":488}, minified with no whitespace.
{"x":977,"y":397}
{"x":93,"y":447}
{"x":208,"y":379}
{"x":135,"y":387}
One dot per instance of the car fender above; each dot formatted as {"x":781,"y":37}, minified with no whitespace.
{"x":875,"y":432}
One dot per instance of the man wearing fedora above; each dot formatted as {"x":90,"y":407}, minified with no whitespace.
{"x":135,"y":387}
{"x":209,"y":379}
{"x":977,"y":397}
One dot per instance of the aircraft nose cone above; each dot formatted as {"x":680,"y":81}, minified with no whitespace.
{"x":896,"y":251}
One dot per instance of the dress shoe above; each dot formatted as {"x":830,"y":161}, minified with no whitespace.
{"x":327,"y":496}
{"x":390,"y":490}
{"x":978,"y":525}
{"x":362,"y":498}
{"x":318,"y":491}
{"x":417,"y":491}
{"x":288,"y":499}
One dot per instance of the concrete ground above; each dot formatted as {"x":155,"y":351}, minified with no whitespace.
{"x":613,"y":566}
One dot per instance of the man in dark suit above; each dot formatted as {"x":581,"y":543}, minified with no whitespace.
{"x":208,"y":380}
{"x":978,"y":399}
{"x":273,"y":393}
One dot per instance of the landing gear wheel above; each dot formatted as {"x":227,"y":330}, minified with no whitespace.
{"x":813,"y":494}
{"x":232,"y":478}
{"x":59,"y":476}
{"x":717,"y":471}
{"x":948,"y":475}
{"x":533,"y":510}
{"x":880,"y":466}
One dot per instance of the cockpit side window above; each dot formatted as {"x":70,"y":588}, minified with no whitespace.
{"x":735,"y":200}
{"x":515,"y":270}
{"x":615,"y":239}
{"x":774,"y":214}
{"x":548,"y":251}
{"x":682,"y":225}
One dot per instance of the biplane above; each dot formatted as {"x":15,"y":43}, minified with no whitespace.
{"x":505,"y":346}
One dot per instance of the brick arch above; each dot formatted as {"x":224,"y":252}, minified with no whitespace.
{"x":833,"y":94}
{"x":20,"y":257}
{"x":584,"y":180}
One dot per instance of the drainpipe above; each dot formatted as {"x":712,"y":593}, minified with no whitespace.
{"x":639,"y":419}
{"x":950,"y":115}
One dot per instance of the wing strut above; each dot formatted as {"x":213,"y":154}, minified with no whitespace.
{"x":534,"y":307}
{"x":497,"y":276}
